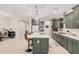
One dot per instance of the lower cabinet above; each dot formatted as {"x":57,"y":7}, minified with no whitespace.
{"x":75,"y":46}
{"x":62,"y":40}
{"x":58,"y":38}
{"x":55,"y":37}
{"x":40,"y":45}
{"x":65,"y":44}
{"x":78,"y":47}
{"x":72,"y":46}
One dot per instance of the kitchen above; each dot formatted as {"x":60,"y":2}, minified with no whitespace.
{"x":53,"y":28}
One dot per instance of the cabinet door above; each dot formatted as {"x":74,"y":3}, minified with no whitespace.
{"x":65,"y":42}
{"x":78,"y":47}
{"x":55,"y":37}
{"x":69,"y":20}
{"x":44,"y":45}
{"x":66,"y":21}
{"x":76,"y":17}
{"x":75,"y":46}
{"x":62,"y":40}
{"x":70,"y":47}
{"x":36,"y":46}
{"x":58,"y":37}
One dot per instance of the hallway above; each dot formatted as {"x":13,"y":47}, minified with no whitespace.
{"x":18,"y":46}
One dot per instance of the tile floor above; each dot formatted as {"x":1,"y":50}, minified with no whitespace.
{"x":18,"y":46}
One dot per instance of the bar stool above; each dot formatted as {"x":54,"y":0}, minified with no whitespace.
{"x":27,"y":37}
{"x":1,"y":36}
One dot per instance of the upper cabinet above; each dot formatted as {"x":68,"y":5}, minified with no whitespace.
{"x":72,"y":18}
{"x":61,"y":22}
{"x":76,"y":16}
{"x":57,"y":23}
{"x":69,"y":20}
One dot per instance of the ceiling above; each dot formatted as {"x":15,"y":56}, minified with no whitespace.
{"x":29,"y":10}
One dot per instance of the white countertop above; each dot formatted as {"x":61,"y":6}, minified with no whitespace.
{"x":39,"y":35}
{"x":70,"y":36}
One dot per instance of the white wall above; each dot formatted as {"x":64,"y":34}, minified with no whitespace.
{"x":8,"y":23}
{"x":15,"y":24}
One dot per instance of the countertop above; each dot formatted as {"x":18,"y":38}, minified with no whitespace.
{"x":67,"y":35}
{"x":39,"y":35}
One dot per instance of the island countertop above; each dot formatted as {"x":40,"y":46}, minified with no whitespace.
{"x":39,"y":35}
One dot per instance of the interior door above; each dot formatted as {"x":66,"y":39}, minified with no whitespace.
{"x":22,"y":29}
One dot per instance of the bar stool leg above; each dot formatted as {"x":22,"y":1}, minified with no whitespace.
{"x":28,"y":49}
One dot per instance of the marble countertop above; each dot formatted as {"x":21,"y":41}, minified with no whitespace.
{"x":67,"y":35}
{"x":39,"y":35}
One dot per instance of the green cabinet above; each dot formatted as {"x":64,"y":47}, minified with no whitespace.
{"x":78,"y":47}
{"x":72,"y":18}
{"x":58,"y":38}
{"x":40,"y":45}
{"x":62,"y":40}
{"x":76,"y":16}
{"x":44,"y":45}
{"x":55,"y":37}
{"x":72,"y":46}
{"x":36,"y":46}
{"x":65,"y":42}
{"x":69,"y":20}
{"x":75,"y":46}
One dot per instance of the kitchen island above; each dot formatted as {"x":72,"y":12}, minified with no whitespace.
{"x":40,"y":43}
{"x":69,"y":42}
